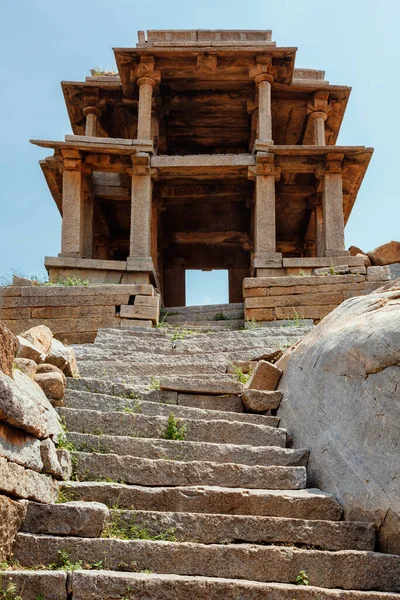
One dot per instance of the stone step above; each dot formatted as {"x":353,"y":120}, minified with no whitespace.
{"x":349,"y":569}
{"x":226,"y":403}
{"x":201,"y":385}
{"x":78,"y":519}
{"x":110,"y":367}
{"x":296,"y":504}
{"x":91,"y":585}
{"x":223,"y":529}
{"x":219,"y":432}
{"x":107,"y":403}
{"x":188,"y":451}
{"x":208,"y":324}
{"x":204,"y":308}
{"x":160,"y":472}
{"x":109,"y":585}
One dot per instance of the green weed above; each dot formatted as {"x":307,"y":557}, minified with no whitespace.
{"x":302,"y":579}
{"x":128,"y":529}
{"x":173,"y":431}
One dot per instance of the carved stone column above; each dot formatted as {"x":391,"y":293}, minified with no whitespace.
{"x":140,"y":238}
{"x":264,"y":83}
{"x":318,"y":119}
{"x":146,"y":86}
{"x":91,"y":113}
{"x":265,"y":174}
{"x":72,"y":230}
{"x":332,"y":207}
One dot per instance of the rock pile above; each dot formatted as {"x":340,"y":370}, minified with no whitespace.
{"x":33,"y":369}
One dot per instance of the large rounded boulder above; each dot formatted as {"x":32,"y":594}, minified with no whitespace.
{"x":341,"y":389}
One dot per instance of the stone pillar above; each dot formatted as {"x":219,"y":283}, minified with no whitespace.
{"x":264,"y":229}
{"x":72,"y":230}
{"x":319,"y":237}
{"x":88,"y":207}
{"x":146,"y":86}
{"x":140,"y":238}
{"x":332,"y":208}
{"x":264,"y":82}
{"x":91,"y":113}
{"x":318,"y":118}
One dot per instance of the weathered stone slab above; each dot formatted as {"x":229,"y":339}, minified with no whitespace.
{"x":312,"y":299}
{"x":142,"y":471}
{"x":222,"y":529}
{"x":115,"y":423}
{"x":20,"y":447}
{"x":25,"y":483}
{"x":37,"y":584}
{"x":20,"y":403}
{"x":92,"y":290}
{"x":304,"y":312}
{"x":12,"y":515}
{"x":258,"y":401}
{"x":8,"y":349}
{"x":226,"y":402}
{"x":257,"y":282}
{"x":80,"y":519}
{"x":264,"y":377}
{"x":378,"y":274}
{"x":67,"y":312}
{"x":386,"y":255}
{"x":14,"y":313}
{"x":201,"y":386}
{"x":298,"y":504}
{"x":64,"y":300}
{"x":348,"y":569}
{"x":110,"y":584}
{"x":187,"y":451}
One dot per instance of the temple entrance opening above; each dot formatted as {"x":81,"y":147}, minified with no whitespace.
{"x":207,"y":287}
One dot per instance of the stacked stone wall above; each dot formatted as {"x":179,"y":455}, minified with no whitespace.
{"x":306,"y":297}
{"x":75,"y":314}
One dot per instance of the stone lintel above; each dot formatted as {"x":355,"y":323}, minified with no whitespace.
{"x":203,"y":160}
{"x":140,"y":264}
{"x":324,"y":261}
{"x":84,"y":263}
{"x":267,"y":260}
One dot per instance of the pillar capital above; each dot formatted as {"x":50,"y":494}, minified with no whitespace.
{"x":318,"y":114}
{"x":264,"y":77}
{"x":147,"y":68}
{"x":261,"y":68}
{"x":91,"y":110}
{"x":264,"y":167}
{"x":333,"y":163}
{"x":146,"y":80}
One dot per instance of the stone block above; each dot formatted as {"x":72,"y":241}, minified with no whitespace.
{"x":140,"y":312}
{"x":62,"y":312}
{"x":200,"y":386}
{"x":260,"y":314}
{"x":20,"y":447}
{"x":378,"y":274}
{"x":50,"y":461}
{"x":22,"y":281}
{"x":153,"y":301}
{"x":137,"y":323}
{"x":8,"y":349}
{"x":25,"y":483}
{"x":78,"y":519}
{"x":33,"y":585}
{"x":304,"y":312}
{"x":25,"y":365}
{"x":27,"y":350}
{"x":259,"y":401}
{"x":264,"y":377}
{"x":52,"y":383}
{"x":256,"y":282}
{"x":62,"y":300}
{"x":55,"y":291}
{"x":12,"y":515}
{"x":15,"y":313}
{"x":40,"y":336}
{"x":337,"y":270}
{"x":386,"y":255}
{"x":318,"y":299}
{"x":20,"y":404}
{"x":65,"y":461}
{"x":255,"y":292}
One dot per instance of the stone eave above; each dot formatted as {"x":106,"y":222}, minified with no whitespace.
{"x":128,"y":59}
{"x":97,"y":145}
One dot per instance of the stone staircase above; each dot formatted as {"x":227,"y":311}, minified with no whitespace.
{"x":223,"y":512}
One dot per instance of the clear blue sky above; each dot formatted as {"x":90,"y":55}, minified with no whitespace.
{"x":45,"y":41}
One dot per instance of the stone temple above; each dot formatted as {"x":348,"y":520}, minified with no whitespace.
{"x":207,"y":150}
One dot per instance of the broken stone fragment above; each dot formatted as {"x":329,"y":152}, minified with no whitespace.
{"x":27,"y":350}
{"x":25,"y":483}
{"x":8,"y":348}
{"x":25,"y":365}
{"x":40,"y":336}
{"x":388,"y":254}
{"x":52,"y":381}
{"x":259,"y":401}
{"x":12,"y":514}
{"x":58,"y":354}
{"x":23,"y":281}
{"x":49,"y":456}
{"x":71,"y":367}
{"x":264,"y":377}
{"x":20,"y":447}
{"x":64,"y":458}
